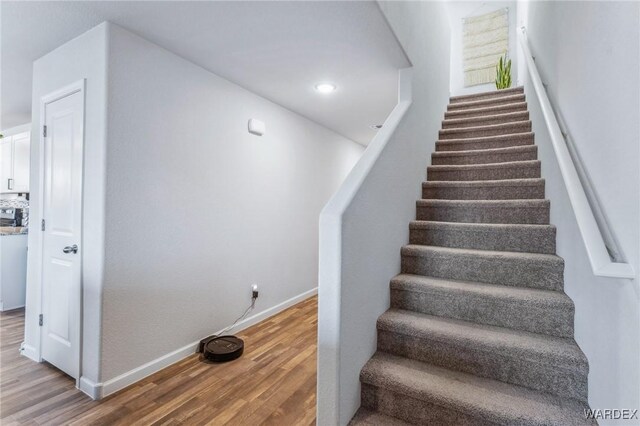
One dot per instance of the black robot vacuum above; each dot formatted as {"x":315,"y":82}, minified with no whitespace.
{"x":221,"y":348}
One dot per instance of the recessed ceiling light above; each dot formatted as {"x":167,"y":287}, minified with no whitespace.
{"x":325,"y":87}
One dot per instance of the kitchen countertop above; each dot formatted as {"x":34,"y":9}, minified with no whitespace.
{"x":10,"y":230}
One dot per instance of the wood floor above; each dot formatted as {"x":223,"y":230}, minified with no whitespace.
{"x":274,"y":383}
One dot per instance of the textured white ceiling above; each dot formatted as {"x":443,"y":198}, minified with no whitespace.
{"x":278,"y":50}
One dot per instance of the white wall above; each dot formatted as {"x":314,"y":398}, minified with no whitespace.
{"x":183,"y":209}
{"x":370,"y":230}
{"x":198,"y":209}
{"x":591,"y":67}
{"x":456,"y":12}
{"x":81,"y":58}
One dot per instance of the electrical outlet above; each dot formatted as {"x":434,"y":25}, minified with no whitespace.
{"x":254,"y":291}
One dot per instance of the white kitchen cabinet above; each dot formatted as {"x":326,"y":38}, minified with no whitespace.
{"x":21,"y":155}
{"x":14,"y":162}
{"x":6,"y":163}
{"x":13,"y":271}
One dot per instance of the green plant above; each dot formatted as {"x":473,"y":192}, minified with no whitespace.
{"x":503,"y":73}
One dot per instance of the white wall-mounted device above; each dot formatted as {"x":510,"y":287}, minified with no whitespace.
{"x":256,"y":127}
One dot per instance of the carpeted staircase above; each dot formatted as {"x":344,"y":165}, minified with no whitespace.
{"x":479,"y":331}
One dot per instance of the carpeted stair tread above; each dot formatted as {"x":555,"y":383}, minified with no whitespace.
{"x":545,"y":363}
{"x":459,"y":398}
{"x":536,"y":361}
{"x":483,"y":152}
{"x":485,"y":142}
{"x":484,"y":211}
{"x":484,"y":236}
{"x":366,"y":417}
{"x":487,"y":95}
{"x":533,"y":270}
{"x":482,"y":131}
{"x":490,"y":171}
{"x":485,"y":156}
{"x":534,"y":310}
{"x":482,"y":103}
{"x":489,"y":110}
{"x":503,"y":189}
{"x":485,"y":120}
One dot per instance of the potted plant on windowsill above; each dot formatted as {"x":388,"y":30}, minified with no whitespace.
{"x":503,"y":73}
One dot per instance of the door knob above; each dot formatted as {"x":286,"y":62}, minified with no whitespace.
{"x":71,"y":249}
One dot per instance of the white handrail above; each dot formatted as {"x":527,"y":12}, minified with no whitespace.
{"x":601,"y":262}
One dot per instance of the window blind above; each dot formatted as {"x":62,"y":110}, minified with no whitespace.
{"x":485,"y":38}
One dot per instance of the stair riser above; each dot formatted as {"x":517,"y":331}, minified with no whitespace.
{"x":476,"y":132}
{"x":471,"y":214}
{"x":415,"y":411}
{"x":530,"y":240}
{"x":520,"y":171}
{"x":523,"y":369}
{"x":486,"y":121}
{"x":459,"y":106}
{"x":481,"y":112}
{"x":485,"y":192}
{"x":505,"y":142}
{"x":550,"y":320}
{"x":523,"y":155}
{"x":484,"y":269}
{"x":486,"y":95}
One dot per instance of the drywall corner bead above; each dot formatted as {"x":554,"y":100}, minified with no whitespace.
{"x":256,"y":127}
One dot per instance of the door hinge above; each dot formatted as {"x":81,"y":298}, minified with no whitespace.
{"x":44,"y":131}
{"x":42,"y":225}
{"x":40,"y":320}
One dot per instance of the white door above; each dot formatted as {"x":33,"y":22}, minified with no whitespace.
{"x":21,"y":154}
{"x":62,"y":212}
{"x":6,"y":164}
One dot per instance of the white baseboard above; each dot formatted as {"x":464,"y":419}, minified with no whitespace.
{"x":254,"y":319}
{"x":91,"y":388}
{"x":100,"y":390}
{"x":29,"y":351}
{"x":10,"y":308}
